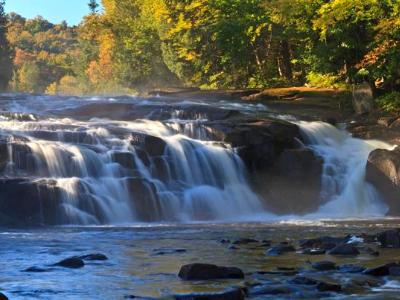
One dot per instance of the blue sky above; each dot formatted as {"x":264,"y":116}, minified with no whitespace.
{"x":55,"y":11}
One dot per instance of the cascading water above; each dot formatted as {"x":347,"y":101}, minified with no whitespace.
{"x":131,"y":171}
{"x":345,"y":193}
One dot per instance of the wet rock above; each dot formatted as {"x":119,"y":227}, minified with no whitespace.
{"x":94,"y":257}
{"x":199,"y":271}
{"x":302,"y":280}
{"x":389,"y":238}
{"x":245,"y":241}
{"x":366,"y":281}
{"x":167,"y":251}
{"x":313,"y":251}
{"x":363,"y":99}
{"x":152,"y":145}
{"x":351,"y":269}
{"x":234,"y":294}
{"x":280,"y":249}
{"x":72,"y":263}
{"x":325,"y":242}
{"x":225,"y":241}
{"x":324,"y":266}
{"x":232,"y":247}
{"x":328,"y":287}
{"x":372,"y":252}
{"x":36,"y":270}
{"x":125,"y":159}
{"x":383,"y":171}
{"x":394,"y":271}
{"x":383,"y":270}
{"x":344,"y":249}
{"x":3,"y":297}
{"x":29,"y":203}
{"x":271,"y":290}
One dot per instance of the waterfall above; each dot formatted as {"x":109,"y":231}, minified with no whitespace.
{"x":113,"y":172}
{"x":345,"y":193}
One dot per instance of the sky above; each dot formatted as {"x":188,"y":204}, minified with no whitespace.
{"x":55,"y":11}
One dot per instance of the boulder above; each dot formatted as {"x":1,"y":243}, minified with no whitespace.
{"x":233,"y":294}
{"x":344,"y":249}
{"x":3,"y":297}
{"x":389,"y":238}
{"x":383,"y":270}
{"x":363,"y":98}
{"x":199,"y":271}
{"x":71,"y":262}
{"x":383,"y":171}
{"x":244,"y":241}
{"x":29,"y":203}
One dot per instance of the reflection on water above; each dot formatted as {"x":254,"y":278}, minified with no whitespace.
{"x":142,"y":263}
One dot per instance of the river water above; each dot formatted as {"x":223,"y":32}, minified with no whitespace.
{"x":196,"y":190}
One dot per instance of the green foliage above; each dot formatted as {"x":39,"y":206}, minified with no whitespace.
{"x":324,"y":80}
{"x":142,"y":44}
{"x":5,"y":51}
{"x":389,"y":102}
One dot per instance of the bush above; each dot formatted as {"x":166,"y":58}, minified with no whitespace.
{"x":389,"y":102}
{"x":324,"y":80}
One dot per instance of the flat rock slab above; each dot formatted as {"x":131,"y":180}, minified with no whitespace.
{"x":208,"y":271}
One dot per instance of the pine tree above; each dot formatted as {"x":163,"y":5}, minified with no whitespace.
{"x":93,"y":5}
{"x":5,"y":52}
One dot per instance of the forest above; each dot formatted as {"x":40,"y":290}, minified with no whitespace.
{"x":128,"y":46}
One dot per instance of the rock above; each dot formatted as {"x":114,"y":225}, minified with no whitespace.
{"x":372,"y":252}
{"x":394,"y":271}
{"x":166,"y":251}
{"x":383,"y":270}
{"x":29,"y":203}
{"x":383,"y":171}
{"x":245,"y":241}
{"x":207,"y":271}
{"x":152,"y":145}
{"x":3,"y":297}
{"x":363,"y":98}
{"x":36,"y":270}
{"x":94,"y":257}
{"x":301,"y":280}
{"x":324,"y":266}
{"x":351,"y":269}
{"x":313,"y":251}
{"x":344,"y":249}
{"x":125,"y":159}
{"x":225,"y":241}
{"x":328,"y":287}
{"x":271,"y":290}
{"x":389,"y":238}
{"x":325,"y":242}
{"x":280,"y":249}
{"x":233,"y":294}
{"x":386,"y":121}
{"x":72,"y":262}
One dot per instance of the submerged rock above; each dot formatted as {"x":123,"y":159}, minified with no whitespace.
{"x":324,"y":266}
{"x":302,"y":280}
{"x":94,"y":257}
{"x":272,"y":290}
{"x":36,"y":270}
{"x":351,"y":269}
{"x":234,"y":294}
{"x":199,"y":271}
{"x":328,"y":287}
{"x":71,"y":262}
{"x":325,"y":242}
{"x":313,"y":251}
{"x":280,"y":249}
{"x":344,"y":249}
{"x":244,"y":241}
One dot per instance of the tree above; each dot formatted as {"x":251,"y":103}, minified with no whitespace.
{"x":5,"y":51}
{"x":93,"y":6}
